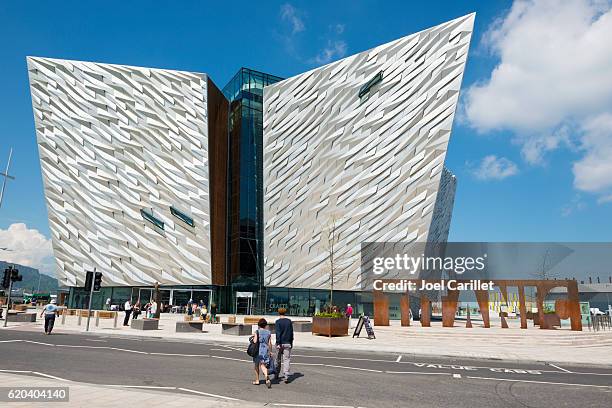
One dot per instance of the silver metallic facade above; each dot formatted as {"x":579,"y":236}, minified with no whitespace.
{"x":360,"y":169}
{"x":114,"y":140}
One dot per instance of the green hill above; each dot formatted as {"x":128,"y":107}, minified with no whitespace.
{"x":33,"y":281}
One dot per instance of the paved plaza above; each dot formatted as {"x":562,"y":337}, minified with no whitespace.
{"x":512,"y":344}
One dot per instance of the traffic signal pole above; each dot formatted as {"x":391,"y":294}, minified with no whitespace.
{"x":8,"y":302}
{"x":91,"y":291}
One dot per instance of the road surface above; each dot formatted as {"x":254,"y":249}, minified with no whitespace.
{"x":322,"y":378}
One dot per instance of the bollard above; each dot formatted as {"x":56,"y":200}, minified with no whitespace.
{"x":97,"y":318}
{"x":64,"y":313}
{"x":80,"y":317}
{"x":115,"y":322}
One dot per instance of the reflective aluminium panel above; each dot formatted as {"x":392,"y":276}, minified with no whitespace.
{"x":354,"y":152}
{"x":119,"y":146}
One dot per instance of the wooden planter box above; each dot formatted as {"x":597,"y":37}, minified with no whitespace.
{"x":330,"y":326}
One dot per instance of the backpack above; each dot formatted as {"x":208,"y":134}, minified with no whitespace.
{"x":253,"y":349}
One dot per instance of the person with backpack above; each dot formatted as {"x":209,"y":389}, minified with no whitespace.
{"x":261,"y":351}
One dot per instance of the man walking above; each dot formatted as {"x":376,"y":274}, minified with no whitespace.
{"x":128,"y":311}
{"x":284,"y":343}
{"x":49,"y":311}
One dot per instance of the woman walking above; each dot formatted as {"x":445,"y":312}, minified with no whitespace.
{"x":263,"y":358}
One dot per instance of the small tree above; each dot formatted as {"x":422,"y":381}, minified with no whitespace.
{"x":332,"y":238}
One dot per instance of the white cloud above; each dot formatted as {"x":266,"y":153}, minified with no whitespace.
{"x":553,"y":78}
{"x":291,"y":15}
{"x":494,"y":168}
{"x":27,"y":247}
{"x":593,"y":172}
{"x":333,"y":50}
{"x":575,"y":205}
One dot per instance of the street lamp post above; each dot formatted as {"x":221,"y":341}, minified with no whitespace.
{"x":6,"y":176}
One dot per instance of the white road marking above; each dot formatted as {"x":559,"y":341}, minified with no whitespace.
{"x":101,"y":341}
{"x":209,"y":395}
{"x":127,"y":350}
{"x":233,"y":359}
{"x":50,"y":376}
{"x":231,"y":348}
{"x":353,"y":368}
{"x":399,"y":358}
{"x":39,"y":342}
{"x":9,"y":341}
{"x":342,"y":358}
{"x":14,"y":371}
{"x":415,"y":372}
{"x":313,"y":406}
{"x":153,"y":387}
{"x":179,"y":355}
{"x":556,"y":366}
{"x":456,"y":375}
{"x":541,"y":382}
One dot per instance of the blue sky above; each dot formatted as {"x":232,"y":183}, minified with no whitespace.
{"x":528,"y":153}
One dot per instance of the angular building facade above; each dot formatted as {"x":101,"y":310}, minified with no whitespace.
{"x":157,"y":176}
{"x":354,"y":152}
{"x":134,"y":166}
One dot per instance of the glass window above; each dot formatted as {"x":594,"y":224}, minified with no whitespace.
{"x":152,"y":219}
{"x":182,"y":216}
{"x":318,"y":300}
{"x":368,"y":85}
{"x":276,"y":297}
{"x":299,"y":302}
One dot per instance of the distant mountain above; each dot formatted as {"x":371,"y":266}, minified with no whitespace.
{"x":31,"y":276}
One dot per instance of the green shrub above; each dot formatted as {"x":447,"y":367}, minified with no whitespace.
{"x":330,"y":314}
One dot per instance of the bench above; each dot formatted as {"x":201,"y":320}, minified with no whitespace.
{"x":251,"y":319}
{"x":105,"y":314}
{"x":145,"y":324}
{"x":21,"y":317}
{"x":190,"y":326}
{"x":236,"y":329}
{"x":302,"y":326}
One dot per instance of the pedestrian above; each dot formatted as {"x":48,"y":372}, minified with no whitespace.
{"x":264,"y":357}
{"x":284,"y":343}
{"x":213,"y":312}
{"x":153,"y":309}
{"x":108,"y":303}
{"x":136,"y":310}
{"x":50,"y":311}
{"x":190,"y":307}
{"x":204,"y":313}
{"x":349,"y":313}
{"x":127,"y":307}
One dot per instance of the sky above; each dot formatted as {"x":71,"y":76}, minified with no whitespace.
{"x":532,"y":139}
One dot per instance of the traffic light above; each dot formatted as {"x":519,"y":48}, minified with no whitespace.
{"x":15,"y":276}
{"x":97,"y":281}
{"x":6,"y":280}
{"x":88,"y":281}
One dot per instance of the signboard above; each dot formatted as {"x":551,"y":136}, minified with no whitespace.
{"x":364,"y":321}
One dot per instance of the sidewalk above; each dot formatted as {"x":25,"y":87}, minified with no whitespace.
{"x":512,"y":344}
{"x":89,"y":395}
